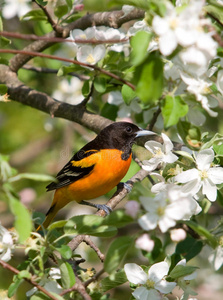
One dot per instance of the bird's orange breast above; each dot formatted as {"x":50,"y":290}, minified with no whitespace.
{"x":109,"y":169}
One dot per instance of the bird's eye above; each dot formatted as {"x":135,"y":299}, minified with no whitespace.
{"x":128,"y":129}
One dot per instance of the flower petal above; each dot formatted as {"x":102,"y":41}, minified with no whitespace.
{"x":216,"y":175}
{"x":142,"y":293}
{"x":165,"y":287}
{"x":204,"y":159}
{"x":209,"y":189}
{"x":168,"y":145}
{"x":135,"y":274}
{"x":186,"y":176}
{"x":148,"y":221}
{"x":158,"y":271}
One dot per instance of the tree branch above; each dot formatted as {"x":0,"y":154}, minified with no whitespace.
{"x":96,"y":68}
{"x":111,"y":19}
{"x":30,"y":280}
{"x":41,"y":101}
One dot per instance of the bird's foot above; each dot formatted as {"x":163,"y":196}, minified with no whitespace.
{"x":125,"y":185}
{"x":103,"y":207}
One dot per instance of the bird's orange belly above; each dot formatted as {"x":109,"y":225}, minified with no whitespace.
{"x":107,"y":173}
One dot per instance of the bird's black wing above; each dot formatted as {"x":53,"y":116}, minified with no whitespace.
{"x":71,"y":173}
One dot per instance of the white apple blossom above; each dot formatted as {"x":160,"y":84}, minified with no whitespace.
{"x":91,"y":55}
{"x":201,"y":89}
{"x":132,"y":208}
{"x":178,"y":28}
{"x":144,"y":242}
{"x":87,"y":34}
{"x":219,"y":81}
{"x":167,"y":208}
{"x":49,"y":283}
{"x":6,"y":244}
{"x":216,"y":258}
{"x":69,"y":91}
{"x":152,"y":283}
{"x":104,"y":33}
{"x":115,"y":98}
{"x":204,"y":176}
{"x":178,"y":235}
{"x":138,"y":26}
{"x":14,"y":8}
{"x":161,"y":154}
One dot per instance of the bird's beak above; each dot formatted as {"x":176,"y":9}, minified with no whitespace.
{"x":144,"y":132}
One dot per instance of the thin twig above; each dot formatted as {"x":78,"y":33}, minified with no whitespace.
{"x":34,"y":37}
{"x":53,"y":71}
{"x":34,"y":54}
{"x":30,"y":280}
{"x":94,"y":278}
{"x":79,"y":287}
{"x":85,"y":101}
{"x":54,"y":25}
{"x":154,"y":119}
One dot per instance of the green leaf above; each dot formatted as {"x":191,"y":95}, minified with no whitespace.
{"x":3,"y":89}
{"x":4,"y":61}
{"x":23,"y":223}
{"x":182,"y":271}
{"x":215,"y":9}
{"x":118,"y":218}
{"x":42,"y":2}
{"x":69,"y":4}
{"x":173,"y":108}
{"x":14,"y":286}
{"x":109,"y":111}
{"x":65,"y":251}
{"x":57,"y":224}
{"x":100,"y":84}
{"x":89,"y":224}
{"x":203,"y":232}
{"x":218,"y":149}
{"x":61,"y":9}
{"x":35,"y":15}
{"x":189,"y":248}
{"x":1,"y":24}
{"x":86,"y":88}
{"x":128,"y":94}
{"x":41,"y":296}
{"x":116,"y":252}
{"x":67,"y":275}
{"x":113,"y":280}
{"x":150,"y":83}
{"x":32,"y":176}
{"x":139,"y":44}
{"x":24,"y":274}
{"x":4,"y":42}
{"x":190,"y":134}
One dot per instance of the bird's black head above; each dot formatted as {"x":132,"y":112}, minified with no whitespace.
{"x":120,"y":135}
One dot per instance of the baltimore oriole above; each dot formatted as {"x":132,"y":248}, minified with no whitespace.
{"x":95,"y":169}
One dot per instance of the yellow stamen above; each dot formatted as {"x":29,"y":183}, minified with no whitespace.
{"x":90,"y":59}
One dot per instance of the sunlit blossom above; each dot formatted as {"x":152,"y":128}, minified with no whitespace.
{"x":161,"y":154}
{"x":144,"y":242}
{"x":14,"y":8}
{"x":6,"y":244}
{"x":201,"y":89}
{"x":91,"y":55}
{"x":152,"y":283}
{"x":205,"y":176}
{"x":178,"y":235}
{"x":166,"y":208}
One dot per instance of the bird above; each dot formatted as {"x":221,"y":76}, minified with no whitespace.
{"x":95,"y":169}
